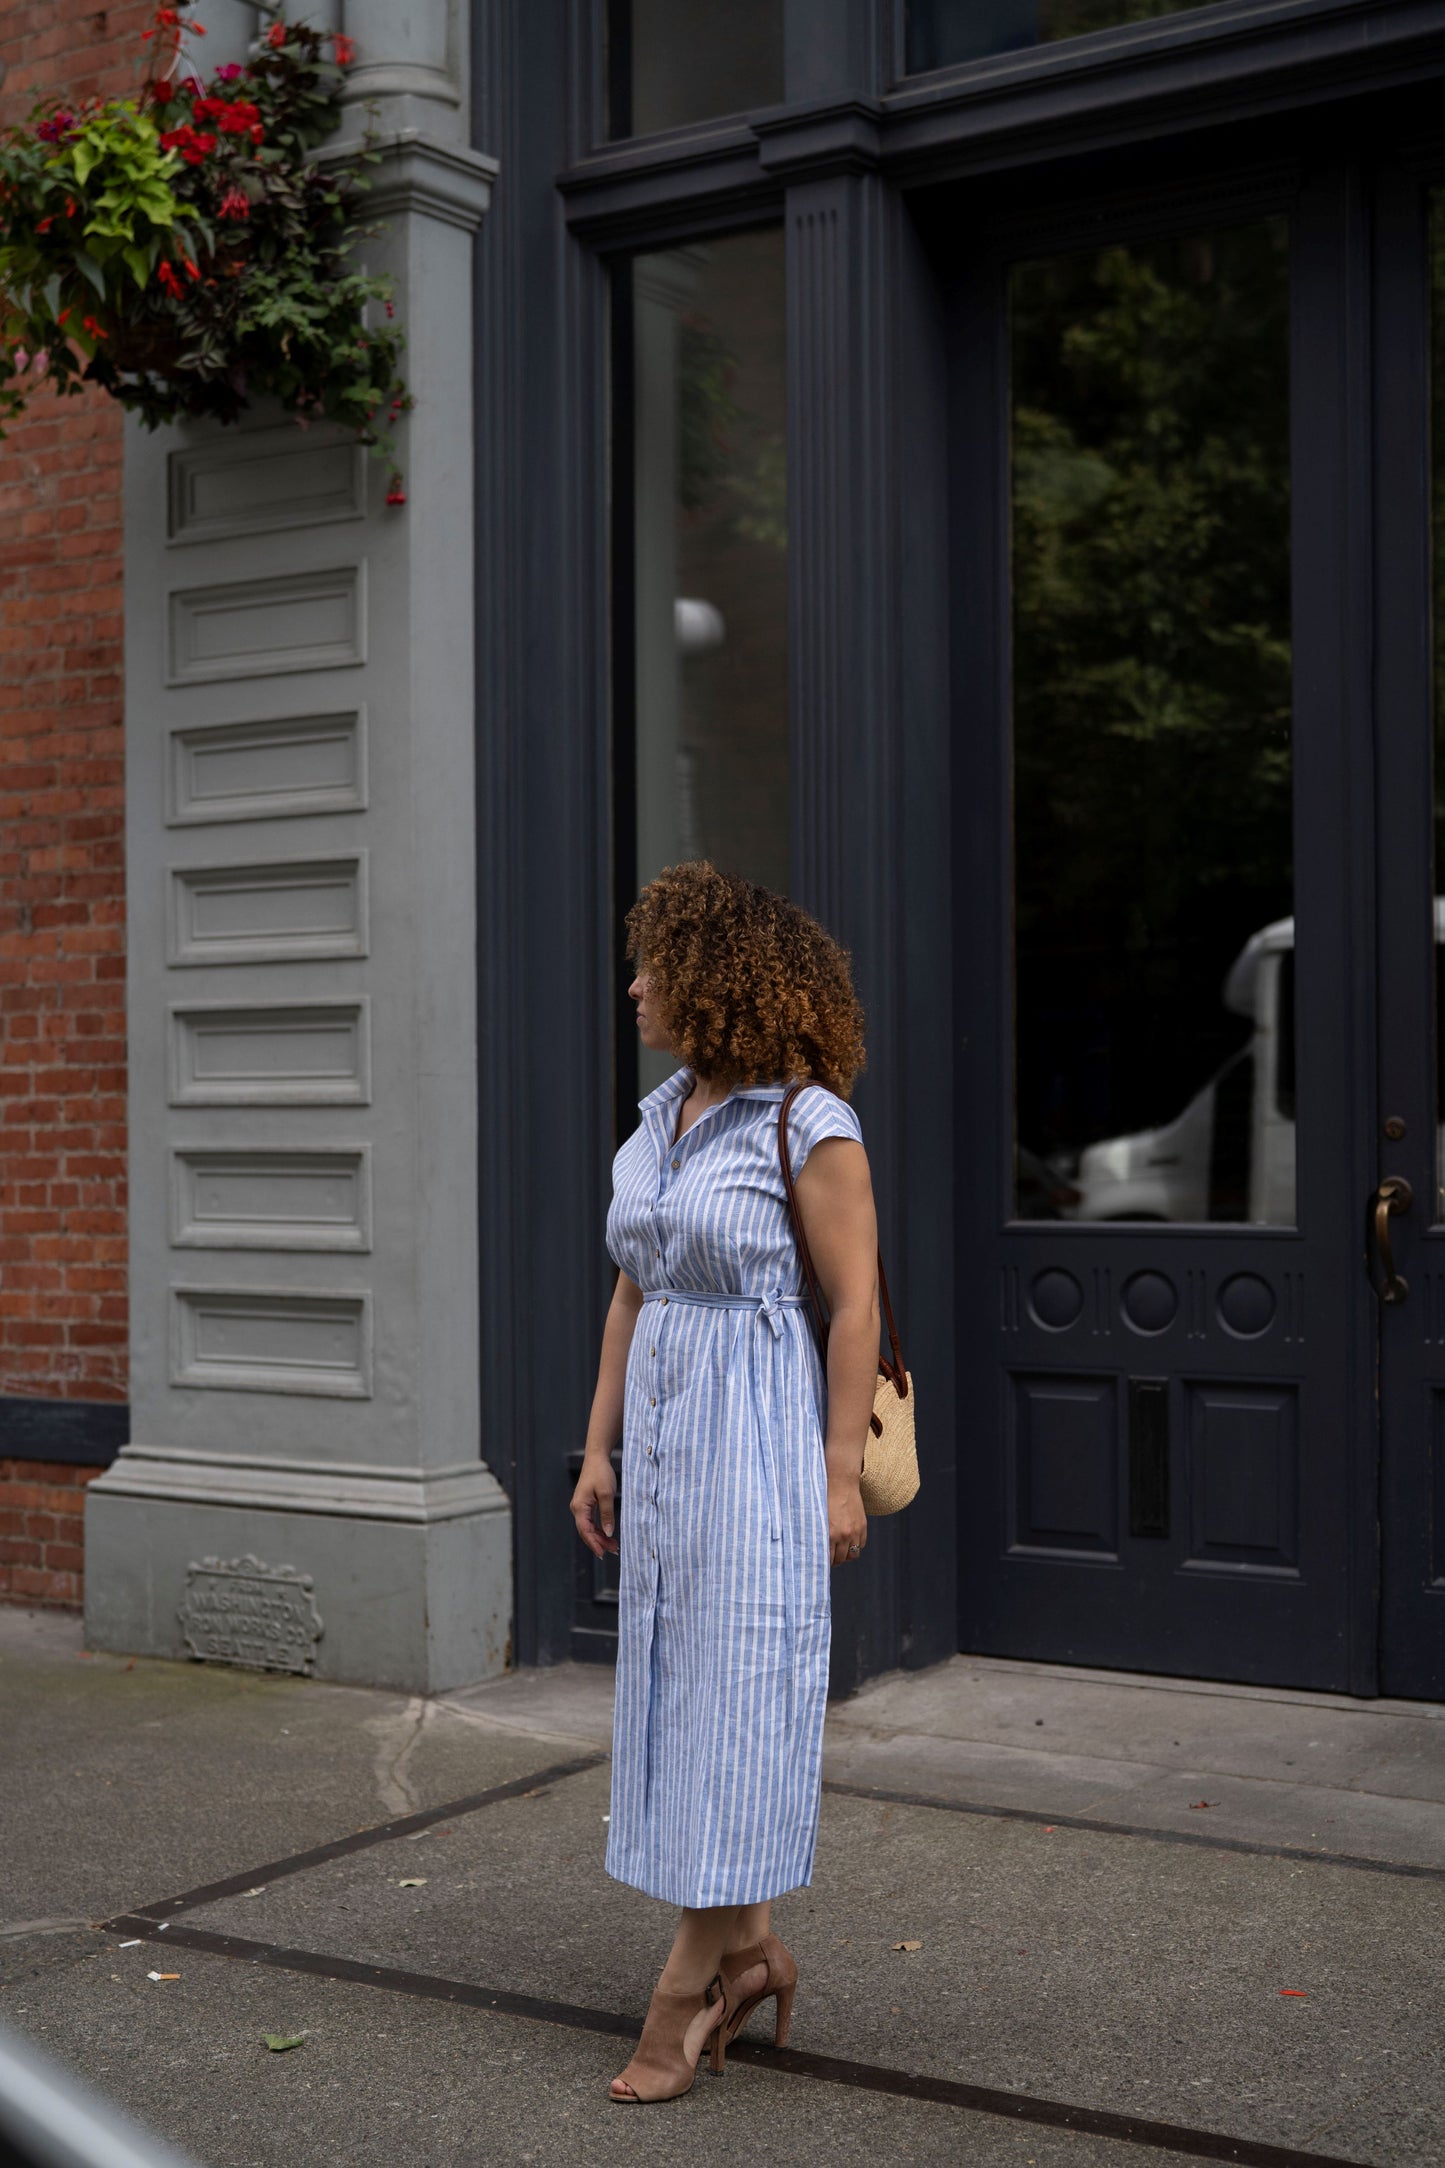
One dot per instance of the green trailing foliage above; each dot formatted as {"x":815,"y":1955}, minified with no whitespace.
{"x":185,"y":249}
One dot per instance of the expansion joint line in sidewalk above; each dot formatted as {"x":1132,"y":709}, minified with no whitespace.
{"x":361,"y":1840}
{"x":787,"y":2062}
{"x":159,"y":1923}
{"x":1199,"y":1839}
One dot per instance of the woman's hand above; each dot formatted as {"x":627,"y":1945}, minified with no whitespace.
{"x":594,"y":1505}
{"x":847,"y":1522}
{"x":594,"y":1502}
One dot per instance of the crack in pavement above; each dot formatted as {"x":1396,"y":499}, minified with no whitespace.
{"x":398,"y":1736}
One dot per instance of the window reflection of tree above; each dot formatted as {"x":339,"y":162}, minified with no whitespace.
{"x":1152,"y":675}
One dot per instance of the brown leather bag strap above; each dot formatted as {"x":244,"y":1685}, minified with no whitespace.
{"x":805,"y":1255}
{"x":898,"y":1370}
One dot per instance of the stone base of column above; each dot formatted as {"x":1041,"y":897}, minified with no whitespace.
{"x":363,"y":1576}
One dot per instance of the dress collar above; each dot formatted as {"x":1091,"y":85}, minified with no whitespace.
{"x":680,"y":1083}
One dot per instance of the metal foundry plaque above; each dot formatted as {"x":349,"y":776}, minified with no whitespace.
{"x":239,"y":1611}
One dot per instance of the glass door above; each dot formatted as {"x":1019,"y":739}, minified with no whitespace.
{"x":1164,"y":1336}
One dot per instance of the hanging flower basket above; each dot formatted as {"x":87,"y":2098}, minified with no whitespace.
{"x":183,"y":250}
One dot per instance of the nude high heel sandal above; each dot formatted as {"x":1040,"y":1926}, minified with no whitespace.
{"x":660,"y":2069}
{"x":781,"y":1985}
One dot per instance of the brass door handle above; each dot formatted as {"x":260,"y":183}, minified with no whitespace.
{"x":1393,"y":1196}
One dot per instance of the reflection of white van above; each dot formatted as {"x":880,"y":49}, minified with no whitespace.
{"x":1230,"y":1154}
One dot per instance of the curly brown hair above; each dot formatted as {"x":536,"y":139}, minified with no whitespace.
{"x":750,"y":988}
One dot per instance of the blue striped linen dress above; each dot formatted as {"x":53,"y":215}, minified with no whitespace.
{"x":722,"y":1660}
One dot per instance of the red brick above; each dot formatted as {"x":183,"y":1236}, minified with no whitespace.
{"x":36,"y":1583}
{"x":62,"y":870}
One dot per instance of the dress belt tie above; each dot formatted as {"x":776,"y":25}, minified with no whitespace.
{"x":769,"y":1306}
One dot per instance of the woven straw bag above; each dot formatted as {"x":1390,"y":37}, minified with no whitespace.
{"x":890,"y":1457}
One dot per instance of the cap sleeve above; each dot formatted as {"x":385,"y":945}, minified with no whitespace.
{"x":815,"y":1114}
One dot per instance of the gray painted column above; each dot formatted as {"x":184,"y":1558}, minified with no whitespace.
{"x":306,"y":1404}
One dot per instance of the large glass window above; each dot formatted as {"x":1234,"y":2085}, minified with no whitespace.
{"x":701,"y":475}
{"x":943,"y":32}
{"x":670,"y":62}
{"x":1153,"y":886}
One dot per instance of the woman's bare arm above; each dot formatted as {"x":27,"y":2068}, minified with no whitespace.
{"x":594,"y":1500}
{"x":835,"y":1199}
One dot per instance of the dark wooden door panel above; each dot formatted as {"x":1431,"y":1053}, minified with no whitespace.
{"x":1165,"y":1338}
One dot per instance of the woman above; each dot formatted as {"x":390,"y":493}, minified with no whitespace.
{"x":741,"y":1466}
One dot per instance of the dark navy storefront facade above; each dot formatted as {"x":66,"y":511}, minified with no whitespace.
{"x":1205,"y":1438}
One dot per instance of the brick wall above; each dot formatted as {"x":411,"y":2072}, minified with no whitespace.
{"x":62,"y":874}
{"x":41,"y":1531}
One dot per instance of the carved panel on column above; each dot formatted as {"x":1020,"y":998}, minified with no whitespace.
{"x":272,"y":1340}
{"x":254,"y":628}
{"x":225,"y":1197}
{"x":247,"y":914}
{"x":265,"y":480}
{"x":253,"y":771}
{"x":282,"y":1054}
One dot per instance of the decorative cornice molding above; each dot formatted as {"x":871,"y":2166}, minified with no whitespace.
{"x":813,"y":142}
{"x":1160,"y":77}
{"x":170,"y":1474}
{"x":670,"y":152}
{"x":1191,"y":37}
{"x":421,"y":177}
{"x":1195,"y":69}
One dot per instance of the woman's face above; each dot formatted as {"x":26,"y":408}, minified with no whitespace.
{"x":650,"y":1028}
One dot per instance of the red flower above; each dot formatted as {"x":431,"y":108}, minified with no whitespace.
{"x":345,"y":50}
{"x":166,"y":273}
{"x":193,"y":144}
{"x":60,"y":319}
{"x":396,"y":494}
{"x":231,"y":72}
{"x":234,"y":204}
{"x":46,"y":224}
{"x":276,"y":36}
{"x":97,"y":331}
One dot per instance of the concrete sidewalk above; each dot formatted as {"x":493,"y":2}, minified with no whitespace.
{"x":1103,"y":1956}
